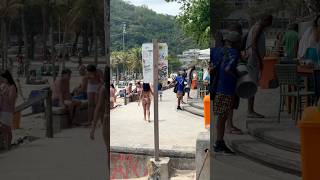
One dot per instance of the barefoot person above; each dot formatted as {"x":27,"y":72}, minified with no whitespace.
{"x":145,"y":98}
{"x":61,"y":96}
{"x":99,"y":112}
{"x":113,"y":97}
{"x":8,"y":96}
{"x":94,"y":82}
{"x":256,"y":45}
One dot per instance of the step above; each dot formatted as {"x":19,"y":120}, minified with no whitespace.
{"x":269,"y":155}
{"x":197,"y":105}
{"x":193,"y":110}
{"x":284,"y":135}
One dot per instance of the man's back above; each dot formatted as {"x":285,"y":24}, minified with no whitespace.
{"x":290,"y":42}
{"x":261,"y":41}
{"x":61,"y":87}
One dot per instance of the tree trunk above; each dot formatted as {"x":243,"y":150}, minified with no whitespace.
{"x":26,"y":44}
{"x":85,"y":43}
{"x":31,"y":52}
{"x":44,"y":27}
{"x":64,"y":41}
{"x":95,"y":40}
{"x":75,"y":43}
{"x":4,"y":42}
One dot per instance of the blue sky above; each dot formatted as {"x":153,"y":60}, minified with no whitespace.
{"x":159,"y":6}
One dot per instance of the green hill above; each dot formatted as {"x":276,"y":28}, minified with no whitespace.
{"x":143,"y":25}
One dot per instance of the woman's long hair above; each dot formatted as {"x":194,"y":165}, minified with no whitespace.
{"x":7,"y":75}
{"x":146,"y":87}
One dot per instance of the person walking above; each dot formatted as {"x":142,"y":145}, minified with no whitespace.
{"x":226,"y":60}
{"x":113,"y":97}
{"x":94,"y":83}
{"x":189,"y":79}
{"x":160,"y":90}
{"x":8,"y":96}
{"x":145,"y":98}
{"x":256,"y":47}
{"x":179,"y":88}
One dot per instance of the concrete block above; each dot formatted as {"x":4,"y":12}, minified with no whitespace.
{"x":159,"y":170}
{"x":202,"y":143}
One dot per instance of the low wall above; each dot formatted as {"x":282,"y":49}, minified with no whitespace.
{"x":203,"y":143}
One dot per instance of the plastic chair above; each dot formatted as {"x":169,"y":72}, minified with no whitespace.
{"x":287,"y":76}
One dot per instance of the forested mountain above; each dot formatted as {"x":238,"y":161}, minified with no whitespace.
{"x":143,"y":25}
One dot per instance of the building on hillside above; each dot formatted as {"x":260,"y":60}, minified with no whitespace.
{"x":193,"y":55}
{"x":188,"y":56}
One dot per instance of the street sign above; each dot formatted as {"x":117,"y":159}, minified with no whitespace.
{"x":147,"y":62}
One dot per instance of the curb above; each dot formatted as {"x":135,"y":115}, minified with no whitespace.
{"x":267,"y":136}
{"x":150,"y":152}
{"x":196,"y":106}
{"x":193,"y":110}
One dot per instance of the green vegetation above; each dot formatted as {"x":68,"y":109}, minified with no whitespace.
{"x":143,"y":25}
{"x":195,"y":20}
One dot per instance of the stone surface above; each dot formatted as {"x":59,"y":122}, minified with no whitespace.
{"x":159,"y":168}
{"x":234,"y":167}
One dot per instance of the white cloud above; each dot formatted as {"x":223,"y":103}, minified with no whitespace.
{"x":159,"y":6}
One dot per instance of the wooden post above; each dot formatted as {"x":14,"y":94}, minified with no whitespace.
{"x":49,"y":124}
{"x":106,"y":118}
{"x":155,"y":89}
{"x":125,"y":97}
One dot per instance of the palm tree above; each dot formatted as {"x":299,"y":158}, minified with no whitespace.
{"x":135,"y":60}
{"x":86,"y":16}
{"x":8,"y":9}
{"x":25,"y":38}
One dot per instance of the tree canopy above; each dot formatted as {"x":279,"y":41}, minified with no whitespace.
{"x":143,"y":25}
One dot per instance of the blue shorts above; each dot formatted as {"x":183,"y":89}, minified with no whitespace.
{"x":81,"y":96}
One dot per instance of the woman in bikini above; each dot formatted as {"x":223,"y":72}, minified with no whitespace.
{"x":145,"y":98}
{"x":94,"y":83}
{"x":8,"y":96}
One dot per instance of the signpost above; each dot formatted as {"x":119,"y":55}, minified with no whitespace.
{"x":155,"y":68}
{"x":148,"y":63}
{"x":155,"y":89}
{"x":106,"y":118}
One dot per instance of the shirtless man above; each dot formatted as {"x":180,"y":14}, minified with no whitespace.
{"x":256,"y":47}
{"x":80,"y":92}
{"x":61,"y":96}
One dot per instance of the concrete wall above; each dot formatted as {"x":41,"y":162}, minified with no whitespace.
{"x":202,"y":144}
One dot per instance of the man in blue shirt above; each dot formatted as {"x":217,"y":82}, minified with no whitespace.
{"x":225,"y":59}
{"x":179,"y":88}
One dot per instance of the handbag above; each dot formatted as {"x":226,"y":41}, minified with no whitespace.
{"x":175,"y":89}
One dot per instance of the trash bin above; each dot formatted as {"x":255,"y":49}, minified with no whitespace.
{"x":310,"y":147}
{"x":206,"y":108}
{"x":268,"y":72}
{"x":39,"y":106}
